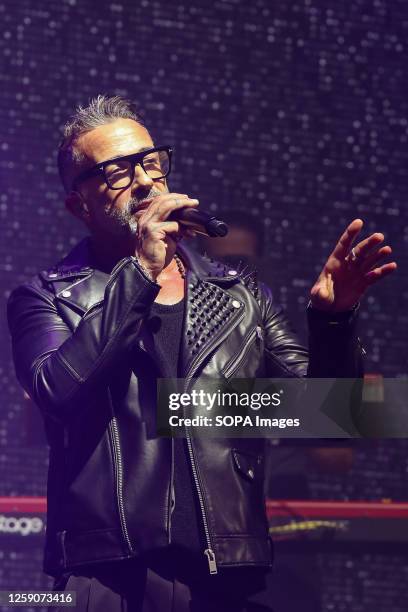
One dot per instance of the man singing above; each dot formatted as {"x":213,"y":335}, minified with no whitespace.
{"x":136,"y":522}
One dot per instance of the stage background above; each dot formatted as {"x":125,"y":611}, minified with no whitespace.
{"x":295,"y":111}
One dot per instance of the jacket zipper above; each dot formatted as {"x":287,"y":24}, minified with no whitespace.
{"x":117,"y":459}
{"x":246,"y":345}
{"x":209,"y":552}
{"x":170,"y":506}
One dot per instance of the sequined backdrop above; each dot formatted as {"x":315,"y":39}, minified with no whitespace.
{"x":295,"y":111}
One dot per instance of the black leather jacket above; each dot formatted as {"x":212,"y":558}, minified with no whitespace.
{"x":81,"y":352}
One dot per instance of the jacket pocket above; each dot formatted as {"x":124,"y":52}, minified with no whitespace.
{"x":248,"y":464}
{"x":233,"y":365}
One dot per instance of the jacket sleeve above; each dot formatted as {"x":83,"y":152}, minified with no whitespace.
{"x":57,"y":366}
{"x":334,"y":348}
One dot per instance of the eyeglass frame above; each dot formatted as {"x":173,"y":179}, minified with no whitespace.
{"x":135,"y":158}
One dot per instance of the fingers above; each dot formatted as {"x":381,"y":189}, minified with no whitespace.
{"x":378,"y":273}
{"x":168,"y":227}
{"x":368,"y":254}
{"x":162,"y":206}
{"x":367,"y":246}
{"x":163,"y":197}
{"x":159,"y":210}
{"x":371,"y":261}
{"x":343,"y":246}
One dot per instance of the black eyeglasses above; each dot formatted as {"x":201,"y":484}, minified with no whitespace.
{"x":119,"y":172}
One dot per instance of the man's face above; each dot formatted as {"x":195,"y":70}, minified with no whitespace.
{"x":113,"y":212}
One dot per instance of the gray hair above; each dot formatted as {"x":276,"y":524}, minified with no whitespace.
{"x":100,"y":111}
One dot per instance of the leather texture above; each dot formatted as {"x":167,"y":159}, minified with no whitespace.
{"x":81,"y":351}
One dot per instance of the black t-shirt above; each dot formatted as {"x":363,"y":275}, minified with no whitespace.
{"x":165,"y":323}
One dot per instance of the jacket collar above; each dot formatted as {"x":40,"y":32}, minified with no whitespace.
{"x":79,"y":262}
{"x":205,"y":267}
{"x":76,"y":281}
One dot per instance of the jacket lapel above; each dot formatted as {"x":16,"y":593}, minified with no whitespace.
{"x":84,"y":293}
{"x":211,"y":313}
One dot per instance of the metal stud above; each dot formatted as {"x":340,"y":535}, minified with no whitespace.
{"x":66,"y":294}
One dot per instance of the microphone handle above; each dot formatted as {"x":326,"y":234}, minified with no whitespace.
{"x":201,"y":222}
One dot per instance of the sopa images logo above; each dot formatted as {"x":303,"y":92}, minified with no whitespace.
{"x":22,"y":525}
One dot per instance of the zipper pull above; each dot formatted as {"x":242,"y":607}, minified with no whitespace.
{"x":212,"y":564}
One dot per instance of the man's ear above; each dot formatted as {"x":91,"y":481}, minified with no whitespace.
{"x":75,"y":203}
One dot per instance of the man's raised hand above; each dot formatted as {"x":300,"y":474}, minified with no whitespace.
{"x":349,"y":270}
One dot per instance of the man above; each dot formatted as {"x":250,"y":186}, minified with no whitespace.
{"x":136,"y":522}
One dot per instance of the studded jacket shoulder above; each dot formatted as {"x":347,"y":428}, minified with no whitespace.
{"x":81,"y":352}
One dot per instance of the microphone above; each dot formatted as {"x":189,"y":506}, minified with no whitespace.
{"x":200,"y":221}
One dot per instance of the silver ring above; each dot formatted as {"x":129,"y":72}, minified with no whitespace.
{"x":353,"y":255}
